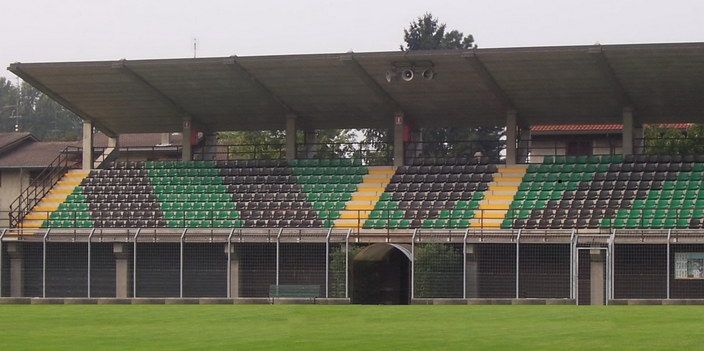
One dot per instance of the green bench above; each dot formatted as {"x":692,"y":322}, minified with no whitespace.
{"x":294,"y":291}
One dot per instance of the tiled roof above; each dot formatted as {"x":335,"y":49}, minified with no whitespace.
{"x":38,"y":154}
{"x":591,"y":128}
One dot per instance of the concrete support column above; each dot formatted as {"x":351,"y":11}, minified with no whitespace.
{"x":122,"y":274}
{"x":186,"y":154}
{"x":234,"y":271}
{"x":290,"y":137}
{"x":596,"y":276}
{"x":472,"y":271}
{"x":511,"y":137}
{"x":628,"y":131}
{"x":310,"y":138}
{"x":87,"y":145}
{"x":399,"y":147}
{"x":14,"y":251}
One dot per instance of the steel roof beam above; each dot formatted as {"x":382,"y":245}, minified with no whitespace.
{"x":234,"y":65}
{"x":122,"y":67}
{"x":489,"y":81}
{"x":349,"y":61}
{"x":602,"y":63}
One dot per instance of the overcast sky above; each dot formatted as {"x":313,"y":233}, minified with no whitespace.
{"x":75,"y":30}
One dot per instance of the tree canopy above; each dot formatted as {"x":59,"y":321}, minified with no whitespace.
{"x":426,"y":33}
{"x":671,"y":141}
{"x":38,"y":114}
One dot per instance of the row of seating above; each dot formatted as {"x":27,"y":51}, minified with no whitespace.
{"x":416,"y":223}
{"x":437,"y":187}
{"x":422,"y":214}
{"x":434,"y":195}
{"x":447,"y":170}
{"x":442,"y":178}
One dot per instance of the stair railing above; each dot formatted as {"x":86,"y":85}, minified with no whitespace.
{"x":42,"y":184}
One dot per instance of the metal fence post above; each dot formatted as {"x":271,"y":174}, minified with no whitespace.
{"x":229,"y":263}
{"x":572,"y":269}
{"x":2,"y":235}
{"x":327,"y":263}
{"x":180,"y":268}
{"x":347,"y":263}
{"x":518,"y":263}
{"x":464,"y":264}
{"x":610,"y":249}
{"x":278,"y":239}
{"x":669,"y":236}
{"x":90,"y":237}
{"x":134,"y":263}
{"x":413,"y":263}
{"x":44,"y":262}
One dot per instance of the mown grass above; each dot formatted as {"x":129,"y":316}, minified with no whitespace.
{"x":290,"y":327}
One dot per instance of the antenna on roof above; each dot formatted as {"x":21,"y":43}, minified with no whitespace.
{"x":195,"y":47}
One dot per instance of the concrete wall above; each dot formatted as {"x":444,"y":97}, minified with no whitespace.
{"x":12,"y":183}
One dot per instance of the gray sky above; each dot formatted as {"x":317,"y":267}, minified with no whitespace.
{"x":75,"y":30}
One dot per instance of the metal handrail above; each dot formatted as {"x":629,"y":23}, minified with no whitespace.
{"x":40,"y":187}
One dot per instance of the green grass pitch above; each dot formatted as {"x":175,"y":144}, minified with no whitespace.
{"x":291,"y":327}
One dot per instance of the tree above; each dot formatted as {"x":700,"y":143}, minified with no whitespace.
{"x":39,"y":114}
{"x":438,"y":270}
{"x":671,"y":141}
{"x":425,"y":33}
{"x":268,"y":144}
{"x":265,"y":144}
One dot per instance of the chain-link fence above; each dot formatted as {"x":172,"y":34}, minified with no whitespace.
{"x":438,"y":265}
{"x":544,"y":271}
{"x":640,"y":271}
{"x":388,"y":268}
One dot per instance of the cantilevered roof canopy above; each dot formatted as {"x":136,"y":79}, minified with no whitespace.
{"x":544,"y":85}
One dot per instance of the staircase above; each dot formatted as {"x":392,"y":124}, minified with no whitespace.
{"x":365,"y":198}
{"x":56,"y":196}
{"x":497,"y":199}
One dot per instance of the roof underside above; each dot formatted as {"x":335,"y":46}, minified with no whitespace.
{"x":545,"y":85}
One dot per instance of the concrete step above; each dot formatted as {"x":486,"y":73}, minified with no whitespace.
{"x":497,"y":213}
{"x":32,"y":223}
{"x":371,"y":187}
{"x":38,"y":215}
{"x":45,"y":208}
{"x":498,"y":198}
{"x":501,"y":179}
{"x":389,"y":170}
{"x":348,"y":223}
{"x":494,"y":207}
{"x":360,"y":207}
{"x":493,"y":187}
{"x":349,"y":214}
{"x":377,"y":177}
{"x":369,"y":198}
{"x":485,"y":223}
{"x":510,"y":193}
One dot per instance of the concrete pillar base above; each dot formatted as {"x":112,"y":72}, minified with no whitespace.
{"x":122,"y":275}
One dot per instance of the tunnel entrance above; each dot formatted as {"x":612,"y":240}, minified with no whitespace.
{"x":381,"y":275}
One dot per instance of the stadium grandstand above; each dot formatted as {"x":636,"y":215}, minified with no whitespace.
{"x":591,"y":219}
